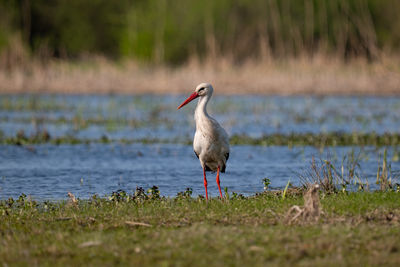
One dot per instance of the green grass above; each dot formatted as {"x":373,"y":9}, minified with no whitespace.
{"x":320,"y":140}
{"x":355,"y":229}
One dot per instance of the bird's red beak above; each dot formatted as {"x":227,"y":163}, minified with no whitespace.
{"x":190,"y":98}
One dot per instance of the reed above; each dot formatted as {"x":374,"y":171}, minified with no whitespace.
{"x":321,"y":75}
{"x":173,"y":32}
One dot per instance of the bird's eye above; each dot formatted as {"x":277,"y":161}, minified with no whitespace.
{"x":201,"y":89}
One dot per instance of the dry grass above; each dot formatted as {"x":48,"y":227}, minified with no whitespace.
{"x":320,"y":75}
{"x":311,"y":210}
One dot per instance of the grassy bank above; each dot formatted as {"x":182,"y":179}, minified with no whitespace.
{"x":309,"y":75}
{"x":321,"y":140}
{"x":353,"y":229}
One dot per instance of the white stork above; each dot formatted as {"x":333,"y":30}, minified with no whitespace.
{"x":210,"y":144}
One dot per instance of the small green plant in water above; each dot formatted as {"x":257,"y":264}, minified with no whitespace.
{"x":226,"y":193}
{"x":139,"y":195}
{"x":235,"y":195}
{"x":266,"y":183}
{"x":10,"y":202}
{"x":21,"y":199}
{"x":119,"y":196}
{"x":397,"y":186}
{"x":286,"y":188}
{"x":185,"y":194}
{"x":153,"y":192}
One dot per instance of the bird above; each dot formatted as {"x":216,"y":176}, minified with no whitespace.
{"x":210,"y":143}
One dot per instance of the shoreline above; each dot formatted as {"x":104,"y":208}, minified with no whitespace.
{"x":320,"y":76}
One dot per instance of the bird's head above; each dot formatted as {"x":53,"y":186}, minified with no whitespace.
{"x":202,"y":89}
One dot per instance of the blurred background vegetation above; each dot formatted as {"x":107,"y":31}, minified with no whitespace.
{"x":174,"y":31}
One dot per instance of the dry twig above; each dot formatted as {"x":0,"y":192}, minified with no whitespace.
{"x":130,"y":223}
{"x":311,"y":210}
{"x":72,"y":199}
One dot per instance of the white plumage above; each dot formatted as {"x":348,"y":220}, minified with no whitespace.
{"x":211,"y":143}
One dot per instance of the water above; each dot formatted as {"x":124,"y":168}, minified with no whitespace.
{"x":49,"y":172}
{"x":156,"y":116}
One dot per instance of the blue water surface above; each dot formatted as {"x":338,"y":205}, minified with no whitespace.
{"x":49,"y":171}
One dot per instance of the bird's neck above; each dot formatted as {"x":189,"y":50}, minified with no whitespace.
{"x":201,"y":110}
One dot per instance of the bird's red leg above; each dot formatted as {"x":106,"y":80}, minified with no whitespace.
{"x":205,"y":182}
{"x":219,"y":187}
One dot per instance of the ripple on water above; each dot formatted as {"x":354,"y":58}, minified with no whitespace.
{"x":51,"y":171}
